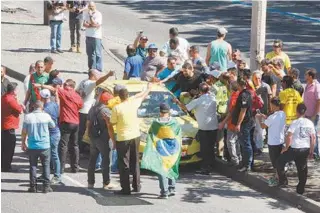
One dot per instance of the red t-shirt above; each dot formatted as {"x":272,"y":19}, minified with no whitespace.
{"x":232,"y":104}
{"x":70,"y":104}
{"x":10,"y":111}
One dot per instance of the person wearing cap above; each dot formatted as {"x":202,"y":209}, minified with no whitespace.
{"x":199,"y":63}
{"x":4,"y":81}
{"x":52,"y":108}
{"x":295,"y":74}
{"x":133,"y":64}
{"x":205,"y":112}
{"x":153,"y":64}
{"x":93,"y":24}
{"x":219,"y":50}
{"x":10,"y":111}
{"x":183,"y":43}
{"x":221,"y":95}
{"x":100,"y":131}
{"x":140,"y":44}
{"x":278,"y":53}
{"x":268,"y":76}
{"x":38,"y":78}
{"x":36,"y":128}
{"x":48,"y":63}
{"x":125,"y":118}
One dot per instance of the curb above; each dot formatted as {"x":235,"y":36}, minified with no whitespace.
{"x":259,"y":183}
{"x":14,"y":74}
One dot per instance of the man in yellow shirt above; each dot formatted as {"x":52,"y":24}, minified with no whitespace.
{"x":289,"y":98}
{"x":278,"y":53}
{"x":124,"y":116}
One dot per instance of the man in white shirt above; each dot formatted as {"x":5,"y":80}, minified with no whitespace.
{"x":183,"y":44}
{"x":300,"y":141}
{"x":93,"y":22}
{"x":86,"y":90}
{"x":205,"y":111}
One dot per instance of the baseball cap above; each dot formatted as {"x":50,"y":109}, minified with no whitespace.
{"x":144,"y":38}
{"x":45,"y":93}
{"x":48,"y":59}
{"x":105,"y":97}
{"x":222,"y":30}
{"x":164,"y":108}
{"x":152,"y":46}
{"x":214,"y":73}
{"x":57,"y":81}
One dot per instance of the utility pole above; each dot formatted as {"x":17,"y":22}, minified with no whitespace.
{"x":45,"y":13}
{"x":258,"y":32}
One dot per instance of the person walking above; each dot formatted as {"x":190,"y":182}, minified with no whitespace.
{"x":76,"y":9}
{"x":93,"y":23}
{"x":10,"y":111}
{"x":36,"y":128}
{"x":124,"y":117}
{"x":52,"y":108}
{"x":219,"y":50}
{"x":100,"y":131}
{"x":300,"y":141}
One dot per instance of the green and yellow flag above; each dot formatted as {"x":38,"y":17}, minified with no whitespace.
{"x":163,"y":149}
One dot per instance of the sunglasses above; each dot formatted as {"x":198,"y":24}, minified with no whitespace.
{"x":153,"y":50}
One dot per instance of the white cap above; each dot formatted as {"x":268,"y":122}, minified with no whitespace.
{"x":222,"y":30}
{"x":214,"y":73}
{"x":231,"y":64}
{"x":45,"y":93}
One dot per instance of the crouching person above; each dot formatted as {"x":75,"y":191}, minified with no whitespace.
{"x":100,"y":131}
{"x":163,"y":151}
{"x":36,"y":127}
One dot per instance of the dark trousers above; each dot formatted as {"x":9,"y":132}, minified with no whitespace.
{"x":75,"y":27}
{"x":274,"y":153}
{"x":8,"y":144}
{"x":207,"y":139}
{"x":82,"y":130}
{"x":99,"y":145}
{"x":44,"y":155}
{"x":128,"y":160}
{"x":94,"y":53}
{"x":300,"y":157}
{"x":246,"y":144}
{"x":69,"y":142}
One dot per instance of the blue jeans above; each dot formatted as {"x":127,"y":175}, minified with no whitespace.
{"x":55,"y":39}
{"x":44,"y":155}
{"x":166,"y":184}
{"x":94,"y":53}
{"x":246,"y":145}
{"x":54,"y":144}
{"x":98,"y":162}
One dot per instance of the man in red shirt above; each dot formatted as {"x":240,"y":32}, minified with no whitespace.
{"x":70,"y":104}
{"x":10,"y":111}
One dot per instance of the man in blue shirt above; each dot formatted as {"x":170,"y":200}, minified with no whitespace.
{"x":36,"y":127}
{"x":171,"y":67}
{"x":52,"y":108}
{"x":133,"y":64}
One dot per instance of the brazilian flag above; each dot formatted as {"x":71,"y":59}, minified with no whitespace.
{"x":163,"y":149}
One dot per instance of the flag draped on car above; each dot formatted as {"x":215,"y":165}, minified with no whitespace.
{"x":163,"y":149}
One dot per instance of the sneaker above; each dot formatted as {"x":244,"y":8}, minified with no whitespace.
{"x":90,"y":186}
{"x":273,"y":182}
{"x":98,"y":169}
{"x":172,"y":192}
{"x":72,"y":48}
{"x":122,"y":192}
{"x":244,"y":169}
{"x":32,"y":189}
{"x":54,"y":51}
{"x":109,"y":186}
{"x":59,"y":51}
{"x":47,"y":189}
{"x":55,"y":180}
{"x":163,"y":196}
{"x":40,"y":179}
{"x":78,"y":49}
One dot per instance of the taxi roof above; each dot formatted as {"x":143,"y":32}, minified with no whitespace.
{"x":131,"y":85}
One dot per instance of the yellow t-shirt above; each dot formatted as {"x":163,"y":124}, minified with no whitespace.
{"x":290,"y":98}
{"x":124,"y":116}
{"x":283,"y":56}
{"x":113,"y":102}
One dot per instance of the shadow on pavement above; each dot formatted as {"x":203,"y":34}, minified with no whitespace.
{"x":28,"y":50}
{"x":20,"y":23}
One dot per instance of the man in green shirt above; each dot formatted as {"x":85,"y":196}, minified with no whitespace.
{"x":38,"y":77}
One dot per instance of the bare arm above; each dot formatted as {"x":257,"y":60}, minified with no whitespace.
{"x":28,"y":95}
{"x":288,"y":142}
{"x":24,"y":135}
{"x":103,"y":78}
{"x":229,"y":52}
{"x":181,"y":105}
{"x":136,"y":41}
{"x":145,"y":93}
{"x":312,"y":144}
{"x":274,"y":90}
{"x":110,"y":130}
{"x":208,"y":54}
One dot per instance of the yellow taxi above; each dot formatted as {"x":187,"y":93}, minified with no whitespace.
{"x":149,"y":110}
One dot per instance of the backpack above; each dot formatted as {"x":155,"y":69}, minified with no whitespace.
{"x":257,"y":102}
{"x":96,"y":130}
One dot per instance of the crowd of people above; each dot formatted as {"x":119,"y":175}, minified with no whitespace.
{"x":238,"y":110}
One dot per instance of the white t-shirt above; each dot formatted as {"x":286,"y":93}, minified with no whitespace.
{"x":276,"y":124}
{"x":93,"y":31}
{"x":302,"y":129}
{"x":88,"y":88}
{"x":26,"y":83}
{"x":205,"y":111}
{"x":183,"y":45}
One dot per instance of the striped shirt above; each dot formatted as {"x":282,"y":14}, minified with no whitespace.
{"x":37,"y":125}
